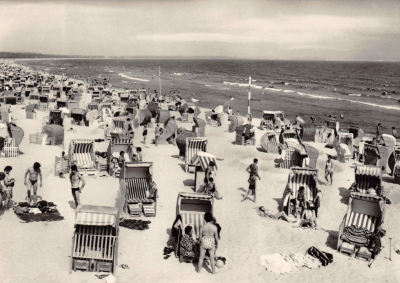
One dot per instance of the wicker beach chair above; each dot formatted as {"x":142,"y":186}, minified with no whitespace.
{"x":364,"y":211}
{"x":193,"y":146}
{"x":367,"y":177}
{"x":269,"y":142}
{"x":136,"y":181}
{"x":114,"y":148}
{"x":300,"y":177}
{"x":95,"y":240}
{"x":192,"y":207}
{"x":81,"y":153}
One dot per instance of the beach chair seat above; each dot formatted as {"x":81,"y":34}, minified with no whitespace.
{"x":194,"y":219}
{"x":347,"y":248}
{"x":367,"y":177}
{"x":364,"y":253}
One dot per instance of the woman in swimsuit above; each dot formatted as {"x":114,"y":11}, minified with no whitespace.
{"x":329,"y":170}
{"x":208,"y":241}
{"x":33,"y":173}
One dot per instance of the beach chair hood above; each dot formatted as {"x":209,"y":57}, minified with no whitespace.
{"x":16,"y":133}
{"x":203,"y":159}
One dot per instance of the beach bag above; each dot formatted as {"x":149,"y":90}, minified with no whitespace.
{"x":43,"y":206}
{"x":324,"y":258}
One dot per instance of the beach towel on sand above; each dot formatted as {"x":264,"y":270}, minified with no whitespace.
{"x":283,"y":264}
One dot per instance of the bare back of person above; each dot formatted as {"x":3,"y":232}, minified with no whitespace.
{"x":75,"y":178}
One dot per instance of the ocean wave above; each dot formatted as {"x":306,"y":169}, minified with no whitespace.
{"x":355,"y":94}
{"x":207,"y":85}
{"x":132,"y":78}
{"x":273,"y":89}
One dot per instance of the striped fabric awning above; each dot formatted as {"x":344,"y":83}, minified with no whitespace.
{"x":368,"y":170}
{"x":121,"y":141}
{"x":95,"y":219}
{"x":195,"y":196}
{"x":203,"y":159}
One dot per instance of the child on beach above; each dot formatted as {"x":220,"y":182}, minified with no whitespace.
{"x":121,"y":159}
{"x":7,"y":193}
{"x":144,"y":134}
{"x":157,"y":134}
{"x":329,"y":170}
{"x":252,"y":188}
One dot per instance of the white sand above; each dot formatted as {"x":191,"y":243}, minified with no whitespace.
{"x":40,"y":252}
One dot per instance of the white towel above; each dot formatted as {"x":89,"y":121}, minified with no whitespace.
{"x":276,"y":263}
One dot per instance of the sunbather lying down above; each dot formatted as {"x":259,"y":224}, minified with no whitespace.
{"x":265,"y":213}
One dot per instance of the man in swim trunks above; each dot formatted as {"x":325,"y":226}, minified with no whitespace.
{"x":33,"y":173}
{"x":208,"y":241}
{"x":75,"y":177}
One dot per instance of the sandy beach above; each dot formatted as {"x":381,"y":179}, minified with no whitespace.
{"x":40,"y":252}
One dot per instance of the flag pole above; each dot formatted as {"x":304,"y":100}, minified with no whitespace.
{"x":248,"y":109}
{"x":159,"y":78}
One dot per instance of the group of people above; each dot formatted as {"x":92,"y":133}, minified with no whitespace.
{"x":196,"y":250}
{"x":118,"y":163}
{"x":7,"y":184}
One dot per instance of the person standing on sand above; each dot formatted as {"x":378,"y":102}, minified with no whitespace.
{"x":9,"y":185}
{"x":157,"y":134}
{"x":144,"y":134}
{"x":329,"y":169}
{"x":378,"y":131}
{"x":75,"y":177}
{"x":253,"y":169}
{"x":33,"y":173}
{"x":208,"y":241}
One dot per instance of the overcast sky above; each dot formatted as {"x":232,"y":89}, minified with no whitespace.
{"x":282,"y":29}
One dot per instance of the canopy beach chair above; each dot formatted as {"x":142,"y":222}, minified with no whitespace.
{"x":61,"y":103}
{"x":202,"y":162}
{"x":199,"y":127}
{"x":367,"y":177}
{"x":81,"y":153}
{"x":193,"y":146}
{"x":272,"y":119}
{"x":189,"y":111}
{"x":343,"y":153}
{"x":120,"y":125}
{"x":294,"y":154}
{"x":376,"y":155}
{"x":307,"y":132}
{"x":270,"y":143}
{"x":79,"y":116}
{"x":364,"y":212}
{"x":34,"y":99}
{"x":192,"y":207}
{"x":56,"y":117}
{"x":10,"y":149}
{"x":235,"y":121}
{"x":95,"y":240}
{"x":245,"y":135}
{"x":312,"y":156}
{"x":44,"y":102}
{"x":11,"y":100}
{"x":55,"y":134}
{"x":170,"y":131}
{"x":181,"y":140}
{"x":299,"y":177}
{"x":136,"y":181}
{"x":30,"y":111}
{"x":114,"y":148}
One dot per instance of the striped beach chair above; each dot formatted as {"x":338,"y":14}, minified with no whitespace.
{"x":95,"y":240}
{"x":202,"y":162}
{"x":300,"y":177}
{"x":81,"y":153}
{"x":364,"y":211}
{"x":136,"y":180}
{"x":347,"y":139}
{"x":193,"y":146}
{"x":115,"y":147}
{"x":367,"y":177}
{"x":192,"y":207}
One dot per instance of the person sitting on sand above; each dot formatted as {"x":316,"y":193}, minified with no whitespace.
{"x":308,"y":216}
{"x":280,"y":215}
{"x":138,"y":157}
{"x":189,"y":248}
{"x":329,"y":170}
{"x":208,"y":241}
{"x":211,"y":189}
{"x":33,"y":173}
{"x":75,"y":177}
{"x":210,"y":172}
